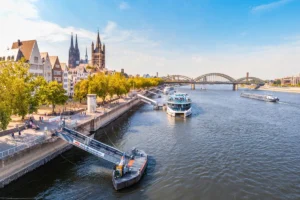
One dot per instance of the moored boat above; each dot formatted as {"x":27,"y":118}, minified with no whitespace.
{"x":169,"y":90}
{"x":179,"y":104}
{"x":129,"y":172}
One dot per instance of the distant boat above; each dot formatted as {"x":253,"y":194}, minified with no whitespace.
{"x":268,"y":98}
{"x":169,"y":90}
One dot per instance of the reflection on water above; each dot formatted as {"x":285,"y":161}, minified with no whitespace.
{"x":230,"y":148}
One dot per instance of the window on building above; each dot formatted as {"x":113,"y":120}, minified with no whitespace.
{"x":57,"y":66}
{"x":0,"y":58}
{"x":8,"y":57}
{"x":36,"y":59}
{"x":12,"y":58}
{"x":57,"y":73}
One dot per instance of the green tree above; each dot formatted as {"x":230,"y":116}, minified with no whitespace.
{"x":19,"y":87}
{"x":99,"y":85}
{"x":53,"y":94}
{"x":5,"y":113}
{"x":81,"y":90}
{"x":277,"y":82}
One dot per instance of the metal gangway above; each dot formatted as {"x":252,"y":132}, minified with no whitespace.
{"x":158,"y":90}
{"x":152,"y":92}
{"x":91,"y":145}
{"x":147,"y":100}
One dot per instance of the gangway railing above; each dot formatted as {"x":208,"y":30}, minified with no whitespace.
{"x":157,"y":89}
{"x":152,"y":92}
{"x":91,"y":145}
{"x":147,"y":100}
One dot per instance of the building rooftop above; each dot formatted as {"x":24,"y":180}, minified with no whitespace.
{"x":53,"y":60}
{"x":25,"y":47}
{"x":64,"y":66}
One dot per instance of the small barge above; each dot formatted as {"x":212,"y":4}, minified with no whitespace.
{"x":129,"y":167}
{"x":268,"y":98}
{"x":128,"y":174}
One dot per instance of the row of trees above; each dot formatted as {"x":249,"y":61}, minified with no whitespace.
{"x":22,"y":94}
{"x":105,"y":86}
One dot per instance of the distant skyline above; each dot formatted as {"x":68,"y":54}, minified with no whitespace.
{"x":187,"y":37}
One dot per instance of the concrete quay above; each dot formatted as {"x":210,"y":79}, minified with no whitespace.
{"x":32,"y":149}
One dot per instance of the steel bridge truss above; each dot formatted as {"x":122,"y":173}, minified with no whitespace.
{"x":212,"y":78}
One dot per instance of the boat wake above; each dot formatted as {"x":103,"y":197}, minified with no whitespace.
{"x":289,"y":103}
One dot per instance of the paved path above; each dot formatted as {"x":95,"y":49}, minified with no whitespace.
{"x":29,"y":135}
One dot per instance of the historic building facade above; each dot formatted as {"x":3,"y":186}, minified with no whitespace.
{"x":47,"y":66}
{"x":98,"y":54}
{"x":57,"y":72}
{"x":30,"y":51}
{"x":74,"y":54}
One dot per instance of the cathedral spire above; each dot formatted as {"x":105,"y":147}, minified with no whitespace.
{"x":72,"y":45}
{"x":98,"y":44}
{"x":86,"y":56}
{"x":76,"y":43}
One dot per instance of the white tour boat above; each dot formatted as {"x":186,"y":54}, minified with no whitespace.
{"x":169,"y":90}
{"x":179,"y":104}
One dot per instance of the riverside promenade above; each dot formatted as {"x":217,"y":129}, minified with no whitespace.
{"x":33,"y":148}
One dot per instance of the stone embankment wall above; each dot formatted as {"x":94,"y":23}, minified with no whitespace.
{"x":16,"y":165}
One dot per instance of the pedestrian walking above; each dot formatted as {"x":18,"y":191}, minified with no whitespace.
{"x":13,"y":135}
{"x":19,"y":132}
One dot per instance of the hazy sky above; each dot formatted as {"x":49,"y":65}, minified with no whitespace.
{"x":185,"y":37}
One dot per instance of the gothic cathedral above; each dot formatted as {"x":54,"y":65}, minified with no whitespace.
{"x":98,"y":54}
{"x":74,"y":55}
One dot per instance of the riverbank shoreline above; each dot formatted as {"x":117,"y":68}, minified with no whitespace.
{"x":14,"y":166}
{"x":281,"y":89}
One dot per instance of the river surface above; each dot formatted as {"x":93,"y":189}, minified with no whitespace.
{"x":230,"y":148}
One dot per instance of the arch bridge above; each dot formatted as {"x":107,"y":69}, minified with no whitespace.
{"x":213,"y":78}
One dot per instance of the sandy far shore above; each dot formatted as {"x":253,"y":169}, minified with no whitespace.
{"x":281,"y":89}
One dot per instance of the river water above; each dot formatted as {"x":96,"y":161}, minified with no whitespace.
{"x":230,"y":148}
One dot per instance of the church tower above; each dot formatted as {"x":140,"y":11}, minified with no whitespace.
{"x":98,"y":54}
{"x":86,"y":56}
{"x":77,"y":53}
{"x":72,"y":59}
{"x":74,"y":54}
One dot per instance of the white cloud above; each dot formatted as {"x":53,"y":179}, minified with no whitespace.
{"x":124,"y":5}
{"x":137,"y":52}
{"x":269,"y":6}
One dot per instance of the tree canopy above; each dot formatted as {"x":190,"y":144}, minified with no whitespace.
{"x":109,"y":85}
{"x":21,"y":93}
{"x":53,"y":94}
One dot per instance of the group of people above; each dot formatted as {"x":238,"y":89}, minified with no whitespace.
{"x":41,"y":119}
{"x":13,"y":133}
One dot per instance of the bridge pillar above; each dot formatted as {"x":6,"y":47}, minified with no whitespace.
{"x":193,"y":86}
{"x":235,"y":87}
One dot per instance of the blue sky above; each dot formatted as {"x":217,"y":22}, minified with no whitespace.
{"x":172,"y":37}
